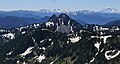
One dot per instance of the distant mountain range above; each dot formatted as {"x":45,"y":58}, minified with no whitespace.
{"x":101,"y":17}
{"x":12,"y":21}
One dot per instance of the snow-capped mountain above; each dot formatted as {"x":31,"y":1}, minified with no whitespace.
{"x":87,"y":11}
{"x":105,"y":10}
{"x":56,"y":11}
{"x":75,"y":12}
{"x":109,"y":10}
{"x":85,"y":16}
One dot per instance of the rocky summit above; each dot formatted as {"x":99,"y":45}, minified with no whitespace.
{"x":60,"y":40}
{"x":63,"y":23}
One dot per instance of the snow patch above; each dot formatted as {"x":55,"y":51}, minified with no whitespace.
{"x":40,"y":58}
{"x":92,"y":60}
{"x":49,"y":24}
{"x":42,"y":41}
{"x":75,"y":39}
{"x":33,"y":39}
{"x":108,"y":57}
{"x":18,"y":62}
{"x":9,"y":35}
{"x":44,"y":29}
{"x":36,"y":25}
{"x":105,"y":38}
{"x":24,"y":63}
{"x":10,"y":53}
{"x":97,"y":45}
{"x":43,"y":48}
{"x":67,"y":42}
{"x":23,"y":32}
{"x":53,"y":61}
{"x":1,"y":30}
{"x":102,"y":37}
{"x":50,"y":39}
{"x":52,"y":43}
{"x":102,"y":50}
{"x":29,"y":50}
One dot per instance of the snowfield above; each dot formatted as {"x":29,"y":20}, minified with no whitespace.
{"x":97,"y":45}
{"x":9,"y":36}
{"x":49,"y":24}
{"x":10,"y":53}
{"x":75,"y":39}
{"x":108,"y":57}
{"x":40,"y":58}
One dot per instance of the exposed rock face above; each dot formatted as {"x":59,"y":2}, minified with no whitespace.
{"x":63,"y":23}
{"x":64,"y":29}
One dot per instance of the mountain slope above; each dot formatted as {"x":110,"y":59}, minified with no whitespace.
{"x":20,"y":13}
{"x":115,"y":22}
{"x":45,"y":19}
{"x":40,"y":43}
{"x":11,"y":21}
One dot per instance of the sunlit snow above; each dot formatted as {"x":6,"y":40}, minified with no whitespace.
{"x":10,"y":53}
{"x":75,"y":39}
{"x":105,"y":38}
{"x":97,"y":45}
{"x":40,"y":58}
{"x":9,"y":35}
{"x":23,"y":32}
{"x":27,"y":51}
{"x":49,"y":23}
{"x":92,"y":60}
{"x":102,"y":37}
{"x":108,"y":57}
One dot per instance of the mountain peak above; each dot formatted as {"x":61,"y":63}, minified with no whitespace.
{"x":63,"y":15}
{"x":63,"y":23}
{"x":53,"y":17}
{"x":109,"y":10}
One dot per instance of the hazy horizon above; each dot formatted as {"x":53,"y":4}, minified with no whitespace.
{"x":58,"y":4}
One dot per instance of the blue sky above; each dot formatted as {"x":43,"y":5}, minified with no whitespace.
{"x":58,"y":4}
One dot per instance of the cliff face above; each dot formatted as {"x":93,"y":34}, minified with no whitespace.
{"x":63,"y":23}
